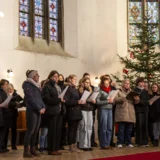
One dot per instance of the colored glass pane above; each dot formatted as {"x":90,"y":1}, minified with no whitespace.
{"x":24,"y":24}
{"x":135,"y":12}
{"x":24,"y":5}
{"x":155,"y":36}
{"x":38,"y":7}
{"x":152,"y":11}
{"x":38,"y":27}
{"x":53,"y":9}
{"x":133,"y":33}
{"x":53,"y":29}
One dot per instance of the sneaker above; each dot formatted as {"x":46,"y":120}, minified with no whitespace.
{"x":119,"y":146}
{"x":130,"y":146}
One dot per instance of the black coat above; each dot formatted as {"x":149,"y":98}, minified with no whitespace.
{"x":3,"y":97}
{"x":33,"y":97}
{"x":143,"y":105}
{"x":11,"y":112}
{"x":72,"y":97}
{"x":51,"y":100}
{"x":154,"y":110}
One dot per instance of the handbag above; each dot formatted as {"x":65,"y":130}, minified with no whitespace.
{"x":75,"y":113}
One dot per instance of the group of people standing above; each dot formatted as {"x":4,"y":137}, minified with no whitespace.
{"x":70,"y":120}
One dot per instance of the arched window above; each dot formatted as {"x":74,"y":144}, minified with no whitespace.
{"x":138,"y":9}
{"x":41,"y":19}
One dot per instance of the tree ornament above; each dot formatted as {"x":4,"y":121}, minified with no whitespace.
{"x":150,"y":66}
{"x":125,"y":71}
{"x":132,"y":55}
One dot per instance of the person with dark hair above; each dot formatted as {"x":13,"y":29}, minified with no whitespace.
{"x":107,"y":76}
{"x":3,"y":96}
{"x":105,"y":118}
{"x":72,"y":101}
{"x":154,"y":115}
{"x":51,"y":91}
{"x":34,"y":109}
{"x":141,"y":108}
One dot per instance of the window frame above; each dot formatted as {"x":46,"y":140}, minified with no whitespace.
{"x":143,"y":14}
{"x":46,"y":33}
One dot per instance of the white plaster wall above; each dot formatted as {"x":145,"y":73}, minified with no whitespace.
{"x":94,"y":32}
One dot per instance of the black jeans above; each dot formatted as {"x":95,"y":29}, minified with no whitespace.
{"x":72,"y":131}
{"x":3,"y":131}
{"x":54,"y":132}
{"x":33,"y":120}
{"x":13,"y":134}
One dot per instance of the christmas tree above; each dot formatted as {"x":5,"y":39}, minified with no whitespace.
{"x":142,"y":59}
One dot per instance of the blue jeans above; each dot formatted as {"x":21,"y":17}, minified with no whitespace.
{"x":105,"y":126}
{"x":124,"y":133}
{"x":43,"y":138}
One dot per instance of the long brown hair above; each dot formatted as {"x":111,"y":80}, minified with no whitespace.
{"x":151,"y":92}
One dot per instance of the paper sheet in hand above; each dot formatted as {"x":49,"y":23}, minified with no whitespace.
{"x":112,"y":94}
{"x":93,"y":96}
{"x":152,"y":100}
{"x":63,"y":92}
{"x":85,"y":95}
{"x":130,"y":95}
{"x":6,"y":102}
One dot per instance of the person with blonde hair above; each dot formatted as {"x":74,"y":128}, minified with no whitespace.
{"x":73,"y":106}
{"x":85,"y":125}
{"x":124,"y":115}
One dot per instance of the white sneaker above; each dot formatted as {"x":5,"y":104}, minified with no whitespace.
{"x":130,"y":146}
{"x":119,"y":146}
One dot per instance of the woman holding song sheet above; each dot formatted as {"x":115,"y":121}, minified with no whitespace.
{"x":154,"y":113}
{"x":124,"y":115}
{"x":74,"y":113}
{"x":85,"y":125}
{"x":105,"y":120}
{"x":51,"y":92}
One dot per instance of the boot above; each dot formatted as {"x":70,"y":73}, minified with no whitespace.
{"x":26,"y":153}
{"x":155,"y":143}
{"x":33,"y":151}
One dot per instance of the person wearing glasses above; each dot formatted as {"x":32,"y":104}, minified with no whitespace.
{"x":85,"y":125}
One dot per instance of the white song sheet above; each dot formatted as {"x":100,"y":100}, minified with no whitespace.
{"x":63,"y":92}
{"x":93,"y":96}
{"x":85,"y":95}
{"x":153,"y":99}
{"x":6,"y":102}
{"x":112,"y":94}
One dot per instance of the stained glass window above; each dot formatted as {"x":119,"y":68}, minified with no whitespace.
{"x":152,"y":10}
{"x":137,"y":9}
{"x":24,"y":17}
{"x":135,"y":12}
{"x":40,"y":19}
{"x":53,"y":20}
